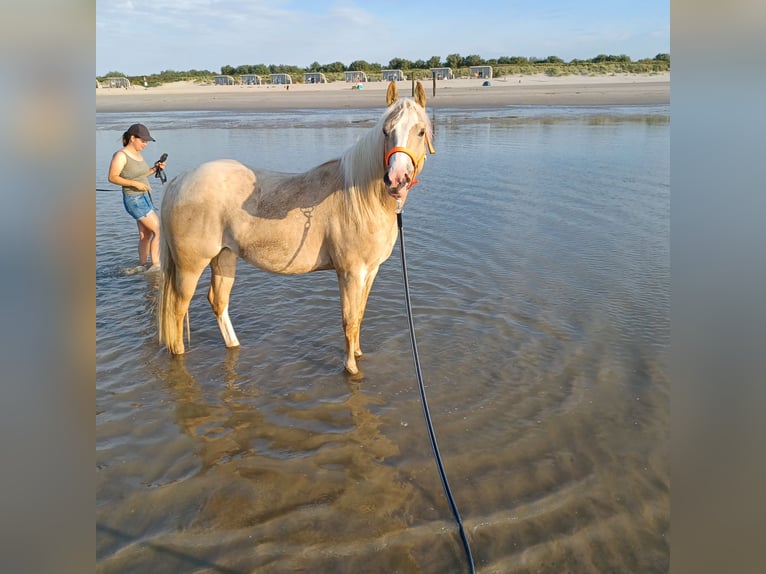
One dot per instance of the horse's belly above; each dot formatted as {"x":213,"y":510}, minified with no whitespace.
{"x":284,"y":256}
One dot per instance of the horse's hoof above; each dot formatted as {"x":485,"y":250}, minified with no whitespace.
{"x":175,"y":348}
{"x":351,"y":368}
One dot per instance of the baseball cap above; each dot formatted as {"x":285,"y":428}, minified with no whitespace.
{"x":140,"y":130}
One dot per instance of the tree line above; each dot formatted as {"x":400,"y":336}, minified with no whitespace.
{"x":552,"y":65}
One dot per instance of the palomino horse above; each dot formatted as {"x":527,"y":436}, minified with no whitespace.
{"x":339,"y":215}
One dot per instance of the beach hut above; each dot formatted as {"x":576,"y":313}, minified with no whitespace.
{"x":117,"y":82}
{"x":280,"y":79}
{"x":442,"y":73}
{"x":250,"y":80}
{"x":356,"y":76}
{"x":483,"y":72}
{"x":223,"y":80}
{"x":314,"y":78}
{"x":392,"y":75}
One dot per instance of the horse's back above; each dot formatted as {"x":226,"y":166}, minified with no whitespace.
{"x":211,"y":182}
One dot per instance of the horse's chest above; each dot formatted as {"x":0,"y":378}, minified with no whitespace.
{"x":372,"y":245}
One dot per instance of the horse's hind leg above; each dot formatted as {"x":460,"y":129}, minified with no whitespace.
{"x":223,"y":267}
{"x":184,"y":286}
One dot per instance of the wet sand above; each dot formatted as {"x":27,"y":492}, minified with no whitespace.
{"x":622,"y":89}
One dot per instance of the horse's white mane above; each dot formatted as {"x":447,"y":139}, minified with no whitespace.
{"x":362,"y":165}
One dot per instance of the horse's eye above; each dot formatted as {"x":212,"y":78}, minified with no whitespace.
{"x":385,"y":132}
{"x":422,"y":132}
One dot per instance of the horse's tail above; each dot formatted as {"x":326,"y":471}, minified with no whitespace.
{"x":170,"y":325}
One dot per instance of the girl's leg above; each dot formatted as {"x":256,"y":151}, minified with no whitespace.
{"x":150,"y":234}
{"x":143,"y":243}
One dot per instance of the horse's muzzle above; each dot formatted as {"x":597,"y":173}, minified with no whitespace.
{"x":395,"y":187}
{"x":399,"y":192}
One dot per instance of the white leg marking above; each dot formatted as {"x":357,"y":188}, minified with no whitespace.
{"x":227,"y":330}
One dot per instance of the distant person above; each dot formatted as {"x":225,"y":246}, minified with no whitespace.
{"x":129,"y":170}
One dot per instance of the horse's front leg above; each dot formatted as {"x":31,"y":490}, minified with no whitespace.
{"x":352,"y":298}
{"x":368,"y":281}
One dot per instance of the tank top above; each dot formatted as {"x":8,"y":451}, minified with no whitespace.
{"x":135,"y":170}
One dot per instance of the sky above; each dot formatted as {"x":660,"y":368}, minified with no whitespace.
{"x":139,"y":37}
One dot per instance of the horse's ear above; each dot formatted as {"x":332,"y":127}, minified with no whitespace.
{"x":392,"y":94}
{"x":420,"y":94}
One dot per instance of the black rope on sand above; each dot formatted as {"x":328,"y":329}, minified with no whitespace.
{"x":424,"y":402}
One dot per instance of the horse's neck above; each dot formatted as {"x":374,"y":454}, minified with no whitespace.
{"x":363,"y":199}
{"x":371,"y":212}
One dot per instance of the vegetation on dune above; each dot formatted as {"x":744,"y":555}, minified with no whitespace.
{"x":602,"y":64}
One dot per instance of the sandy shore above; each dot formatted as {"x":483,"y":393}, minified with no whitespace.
{"x":621,"y":89}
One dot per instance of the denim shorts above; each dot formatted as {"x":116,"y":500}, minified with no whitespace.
{"x":137,"y":205}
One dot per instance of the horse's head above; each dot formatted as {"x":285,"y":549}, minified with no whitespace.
{"x":406,"y":140}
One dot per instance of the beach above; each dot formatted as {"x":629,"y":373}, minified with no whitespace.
{"x":539,"y":89}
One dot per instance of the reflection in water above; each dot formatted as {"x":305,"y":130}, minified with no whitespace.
{"x":307,"y":469}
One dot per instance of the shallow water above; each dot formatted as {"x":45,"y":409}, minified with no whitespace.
{"x":538,"y":260}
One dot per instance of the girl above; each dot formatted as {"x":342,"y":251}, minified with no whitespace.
{"x":129,"y":170}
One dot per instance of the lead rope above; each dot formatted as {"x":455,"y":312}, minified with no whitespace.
{"x":424,"y":402}
{"x":160,"y":174}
